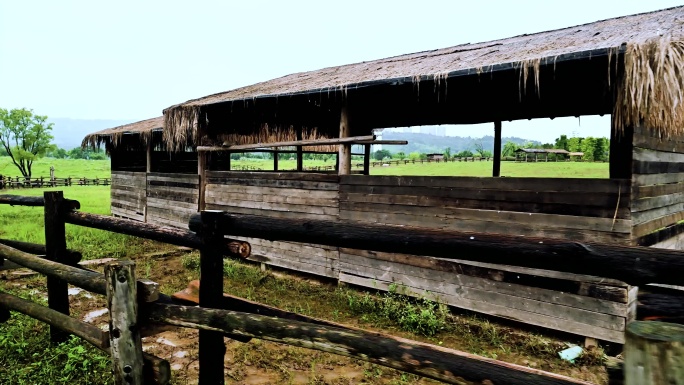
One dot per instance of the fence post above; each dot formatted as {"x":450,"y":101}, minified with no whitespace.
{"x":212,"y":349}
{"x":55,"y":250}
{"x":653,"y":353}
{"x":124,"y":333}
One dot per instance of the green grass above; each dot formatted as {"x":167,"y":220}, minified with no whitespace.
{"x":27,"y":223}
{"x":64,"y":168}
{"x":511,"y":169}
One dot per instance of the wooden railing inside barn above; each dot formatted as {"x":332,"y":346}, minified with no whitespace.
{"x":41,"y":181}
{"x":219,"y":316}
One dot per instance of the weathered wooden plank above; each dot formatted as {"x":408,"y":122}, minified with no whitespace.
{"x":269,"y":252}
{"x":653,"y":353}
{"x":640,"y":192}
{"x":648,"y":179}
{"x":276,"y":183}
{"x":297,"y":176}
{"x":656,"y":167}
{"x":656,"y":213}
{"x":171,"y":204}
{"x":272,"y":214}
{"x":558,"y":197}
{"x":528,"y":207}
{"x":266,"y":206}
{"x":163,"y":184}
{"x":534,"y":220}
{"x":176,"y":215}
{"x":55,"y":250}
{"x":590,"y":295}
{"x":303,"y":267}
{"x":645,"y":139}
{"x":127,"y":214}
{"x":259,"y":241}
{"x":652,"y":155}
{"x":492,"y":227}
{"x":498,"y":311}
{"x":299,"y":199}
{"x":166,"y":222}
{"x":458,"y":292}
{"x":124,"y":332}
{"x":134,"y":194}
{"x":423,"y":359}
{"x":256,"y":190}
{"x":188,"y":197}
{"x":645,"y":228}
{"x":508,"y":183}
{"x":657,"y":202}
{"x":165,"y":177}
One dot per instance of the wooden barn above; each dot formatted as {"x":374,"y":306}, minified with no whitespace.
{"x":629,"y":68}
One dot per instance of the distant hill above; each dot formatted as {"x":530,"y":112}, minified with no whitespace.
{"x":69,"y":133}
{"x":428,"y":143}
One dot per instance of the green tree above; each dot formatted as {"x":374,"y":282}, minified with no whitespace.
{"x":562,"y":143}
{"x":465,"y":154}
{"x":447,"y":152}
{"x":381,"y":154}
{"x":414,"y":155}
{"x":400,"y":155}
{"x":25,"y":137}
{"x":509,"y":149}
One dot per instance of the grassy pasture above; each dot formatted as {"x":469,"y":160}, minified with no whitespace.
{"x":64,"y":168}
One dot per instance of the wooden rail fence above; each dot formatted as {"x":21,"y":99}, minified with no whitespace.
{"x":137,"y":308}
{"x":38,"y":182}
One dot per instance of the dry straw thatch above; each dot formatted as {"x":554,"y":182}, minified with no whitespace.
{"x":650,"y":90}
{"x":112,"y":136}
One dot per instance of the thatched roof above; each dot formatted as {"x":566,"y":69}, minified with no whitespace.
{"x":112,"y":136}
{"x":637,"y":39}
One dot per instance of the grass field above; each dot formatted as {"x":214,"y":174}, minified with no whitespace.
{"x":64,"y":168}
{"x":26,"y":356}
{"x":511,"y":169}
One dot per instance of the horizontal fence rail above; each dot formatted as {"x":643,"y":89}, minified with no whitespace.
{"x":632,"y":264}
{"x":33,"y":182}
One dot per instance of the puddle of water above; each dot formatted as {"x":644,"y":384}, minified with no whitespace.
{"x":74,"y":290}
{"x":94,"y":314}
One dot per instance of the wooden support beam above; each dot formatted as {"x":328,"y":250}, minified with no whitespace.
{"x":211,"y":347}
{"x":300,"y":155}
{"x":275,"y":160}
{"x":633,"y":265}
{"x":344,"y":157}
{"x":308,"y":142}
{"x":390,"y":142}
{"x":427,"y":360}
{"x":366,"y":159}
{"x":201,"y":171}
{"x":653,"y":353}
{"x":149,"y":155}
{"x":496,"y":166}
{"x":55,"y":250}
{"x":124,"y":332}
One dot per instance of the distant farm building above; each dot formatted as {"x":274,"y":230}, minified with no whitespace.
{"x":435,"y":156}
{"x":529,"y":154}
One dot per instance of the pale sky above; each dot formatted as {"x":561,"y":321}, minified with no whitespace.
{"x":131,"y":59}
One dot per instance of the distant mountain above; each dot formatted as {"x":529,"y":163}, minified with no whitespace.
{"x":428,"y":143}
{"x":69,"y":133}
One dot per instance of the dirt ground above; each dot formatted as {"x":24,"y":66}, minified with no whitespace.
{"x":262,"y":362}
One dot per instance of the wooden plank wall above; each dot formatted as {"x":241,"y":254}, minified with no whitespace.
{"x":595,"y":210}
{"x":583,"y":305}
{"x":281,"y":195}
{"x":128,"y":194}
{"x":171,"y":198}
{"x":657,"y":185}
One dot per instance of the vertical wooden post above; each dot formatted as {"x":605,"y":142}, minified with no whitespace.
{"x":620,"y":157}
{"x":55,"y":250}
{"x":124,"y":333}
{"x":275,"y":160}
{"x":344,"y":157}
{"x":366,"y":159}
{"x":496,"y":167}
{"x":149,"y":156}
{"x":654,"y":353}
{"x":201,"y":171}
{"x":300,"y":153}
{"x":211,"y":347}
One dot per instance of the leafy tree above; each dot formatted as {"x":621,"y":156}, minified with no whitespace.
{"x":574,"y":144}
{"x":479,"y":148}
{"x":415,"y":155}
{"x":588,"y":146}
{"x":509,"y":149}
{"x":562,"y":143}
{"x":447,"y":152}
{"x":381,"y":154}
{"x":25,"y":137}
{"x":465,"y":154}
{"x":400,"y":155}
{"x":57,"y":152}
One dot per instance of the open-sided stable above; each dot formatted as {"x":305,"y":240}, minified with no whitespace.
{"x":631,"y":68}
